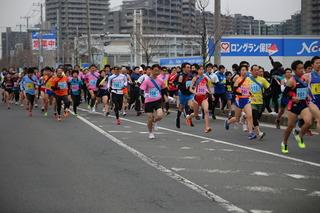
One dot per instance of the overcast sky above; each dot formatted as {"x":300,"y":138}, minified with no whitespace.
{"x":269,"y":10}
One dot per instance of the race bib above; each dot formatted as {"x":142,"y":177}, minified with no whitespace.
{"x":117,"y":85}
{"x":154,"y":93}
{"x":202,"y":90}
{"x":302,"y":93}
{"x":62,"y":85}
{"x":229,"y":88}
{"x":93,"y":82}
{"x":255,"y":88}
{"x":315,"y":89}
{"x":29,"y":85}
{"x":245,"y":91}
{"x":188,"y":83}
{"x":75,"y":87}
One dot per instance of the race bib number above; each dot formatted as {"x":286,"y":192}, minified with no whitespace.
{"x":245,"y":91}
{"x":202,"y":90}
{"x":75,"y":87}
{"x":302,"y":93}
{"x":30,"y":86}
{"x":315,"y":89}
{"x":117,"y":85}
{"x":154,"y":93}
{"x":188,"y":83}
{"x":93,"y":82}
{"x":255,"y":88}
{"x":62,"y":85}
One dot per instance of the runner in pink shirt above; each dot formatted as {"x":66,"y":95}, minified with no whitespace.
{"x":91,"y":79}
{"x":152,"y":87}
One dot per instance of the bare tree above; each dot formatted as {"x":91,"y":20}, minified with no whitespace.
{"x":147,"y":46}
{"x":202,"y":5}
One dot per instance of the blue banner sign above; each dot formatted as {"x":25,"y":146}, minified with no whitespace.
{"x":270,"y":46}
{"x":178,"y":61}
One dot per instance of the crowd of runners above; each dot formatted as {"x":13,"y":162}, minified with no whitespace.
{"x":243,"y":94}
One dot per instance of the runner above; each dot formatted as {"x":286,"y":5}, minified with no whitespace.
{"x":212,"y":79}
{"x":60,"y":89}
{"x":164,"y":76}
{"x":183,"y":81}
{"x":49,"y":94}
{"x":8,"y":89}
{"x":297,"y":106}
{"x":152,"y":87}
{"x":75,"y":85}
{"x":284,"y":95}
{"x":313,"y":80}
{"x":200,"y":87}
{"x":259,"y":87}
{"x":135,"y":91}
{"x":229,"y":92}
{"x":30,"y":83}
{"x":242,"y":101}
{"x":103,"y":92}
{"x":91,"y":79}
{"x":173,"y":89}
{"x":220,"y":90}
{"x":126,"y":98}
{"x":116,"y":83}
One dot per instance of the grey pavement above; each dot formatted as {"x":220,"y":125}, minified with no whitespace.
{"x":47,"y":166}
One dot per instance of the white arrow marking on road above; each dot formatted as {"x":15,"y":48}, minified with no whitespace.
{"x":185,"y":148}
{"x":262,"y":189}
{"x":225,"y":142}
{"x":261,"y":174}
{"x":315,"y":194}
{"x":260,"y":211}
{"x":203,"y":191}
{"x":297,"y":176}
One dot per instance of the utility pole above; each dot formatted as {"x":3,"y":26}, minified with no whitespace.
{"x":27,"y":19}
{"x":40,"y":35}
{"x":217,"y":34}
{"x":58,"y":37}
{"x":89,"y":33}
{"x":67,"y":54}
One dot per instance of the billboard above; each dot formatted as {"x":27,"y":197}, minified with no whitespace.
{"x":282,"y":47}
{"x":48,"y":41}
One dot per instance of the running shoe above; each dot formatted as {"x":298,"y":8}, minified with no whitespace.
{"x":226,"y":124}
{"x":245,"y":128}
{"x":93,"y":109}
{"x":252,"y":136}
{"x":151,"y":136}
{"x":261,"y":135}
{"x":16,"y":103}
{"x":284,"y":148}
{"x":299,"y":141}
{"x":45,"y":114}
{"x":59,"y":118}
{"x":42,"y":109}
{"x":36,"y":106}
{"x":124,"y":114}
{"x":118,"y":122}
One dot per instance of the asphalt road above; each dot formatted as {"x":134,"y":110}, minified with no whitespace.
{"x":88,"y":164}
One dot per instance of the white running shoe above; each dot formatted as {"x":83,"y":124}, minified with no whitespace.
{"x":93,"y":109}
{"x":245,"y":128}
{"x":151,"y":136}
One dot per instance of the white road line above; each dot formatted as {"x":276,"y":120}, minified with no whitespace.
{"x":226,"y":143}
{"x":195,"y":187}
{"x":117,"y":131}
{"x":315,"y":194}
